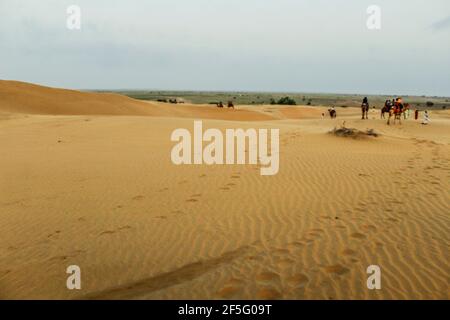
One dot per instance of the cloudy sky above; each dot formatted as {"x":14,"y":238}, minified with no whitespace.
{"x":247,"y":45}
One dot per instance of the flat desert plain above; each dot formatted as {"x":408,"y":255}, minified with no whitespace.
{"x":86,"y":179}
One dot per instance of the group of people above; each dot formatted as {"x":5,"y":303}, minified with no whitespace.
{"x":395,"y":107}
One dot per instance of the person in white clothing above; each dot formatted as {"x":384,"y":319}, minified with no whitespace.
{"x":426,"y":117}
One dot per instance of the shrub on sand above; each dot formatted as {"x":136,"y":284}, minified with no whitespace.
{"x":353,"y":133}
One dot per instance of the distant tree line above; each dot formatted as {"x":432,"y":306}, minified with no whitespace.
{"x":284,"y":101}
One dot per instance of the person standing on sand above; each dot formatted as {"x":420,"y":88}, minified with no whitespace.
{"x":365,"y":108}
{"x":373,"y":112}
{"x":426,"y":118}
{"x":416,"y":114}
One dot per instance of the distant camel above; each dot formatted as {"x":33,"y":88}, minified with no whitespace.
{"x":332,"y":113}
{"x":397,"y":112}
{"x":219,"y":105}
{"x":230,"y":104}
{"x":386,"y":109}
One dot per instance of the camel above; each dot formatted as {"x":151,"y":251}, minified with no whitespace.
{"x":229,"y":104}
{"x":386,"y":109}
{"x":397,"y":112}
{"x":332,"y":113}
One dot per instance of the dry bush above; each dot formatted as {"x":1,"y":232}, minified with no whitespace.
{"x":353,"y":133}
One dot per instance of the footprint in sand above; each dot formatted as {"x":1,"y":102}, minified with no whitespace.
{"x":267,"y":276}
{"x":139,"y":197}
{"x":191,"y":200}
{"x":4,"y":273}
{"x":313,"y":235}
{"x":163,"y":189}
{"x":285,"y":262}
{"x":107,"y":232}
{"x":231,"y":288}
{"x":348,"y":252}
{"x":363,"y":175}
{"x":54,"y":234}
{"x":281,"y":252}
{"x":298,"y":280}
{"x":255,"y":258}
{"x":337,"y":269}
{"x":295,"y":245}
{"x":65,"y":257}
{"x":369,"y":227}
{"x":234,"y":282}
{"x":268,"y":293}
{"x":224,"y":188}
{"x":114,"y":231}
{"x":228,"y":292}
{"x":358,"y":235}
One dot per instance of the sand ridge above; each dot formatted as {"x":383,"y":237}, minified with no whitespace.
{"x":25,"y":98}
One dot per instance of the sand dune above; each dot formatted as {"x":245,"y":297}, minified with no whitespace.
{"x":25,"y":98}
{"x":100,"y":191}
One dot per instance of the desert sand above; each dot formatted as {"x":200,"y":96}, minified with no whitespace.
{"x":86,"y":179}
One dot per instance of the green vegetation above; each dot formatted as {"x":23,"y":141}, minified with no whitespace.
{"x":265,"y":98}
{"x":285,"y":101}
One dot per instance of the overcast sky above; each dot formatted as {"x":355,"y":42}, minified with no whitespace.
{"x":246,"y":45}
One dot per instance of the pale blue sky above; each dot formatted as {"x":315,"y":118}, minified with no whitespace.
{"x":258,"y":45}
